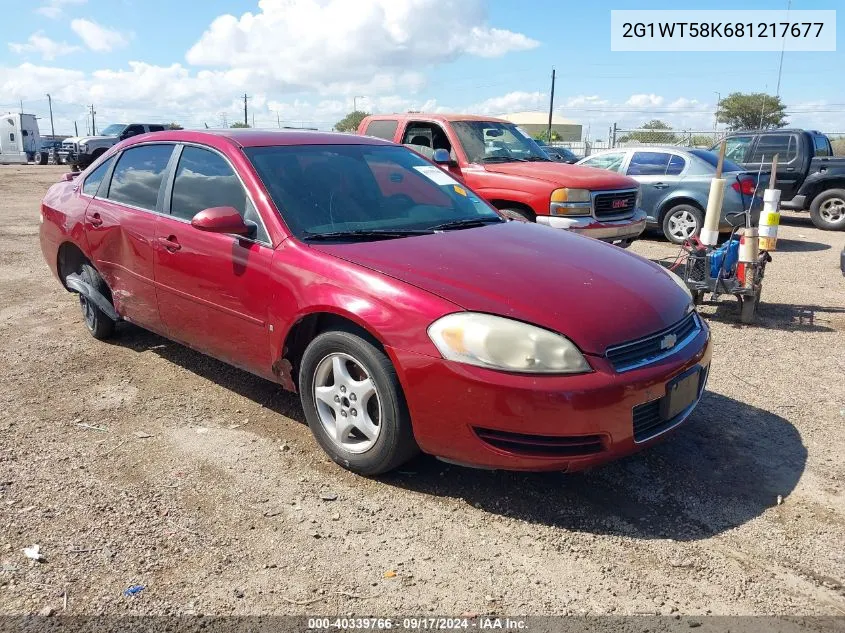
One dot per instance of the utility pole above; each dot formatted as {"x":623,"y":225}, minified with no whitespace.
{"x":21,"y":106}
{"x":93,"y":121}
{"x":355,"y":102}
{"x":253,"y":119}
{"x":52,"y":127}
{"x":551,"y":106}
{"x":716,"y":114}
{"x":246,"y":119}
{"x":75,"y":129}
{"x":278,"y":120}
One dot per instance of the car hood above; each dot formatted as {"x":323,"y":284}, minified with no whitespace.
{"x":87,"y":139}
{"x":596,"y":294}
{"x":565,"y":175}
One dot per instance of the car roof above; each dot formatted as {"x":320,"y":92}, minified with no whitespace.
{"x":437,"y":116}
{"x":263,"y":138}
{"x":781,"y":130}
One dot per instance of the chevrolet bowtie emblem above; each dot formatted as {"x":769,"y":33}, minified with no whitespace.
{"x":668,"y":341}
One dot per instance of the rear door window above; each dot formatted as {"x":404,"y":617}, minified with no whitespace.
{"x":784,"y":145}
{"x":156,"y":128}
{"x":138,"y":175}
{"x":649,"y":164}
{"x":95,"y":178}
{"x":385,"y":129}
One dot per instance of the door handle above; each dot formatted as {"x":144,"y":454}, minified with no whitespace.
{"x":96,"y":220}
{"x":660,"y":185}
{"x":170,"y":243}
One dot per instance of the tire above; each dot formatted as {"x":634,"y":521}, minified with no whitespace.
{"x":520,"y":215}
{"x":828,"y":210}
{"x":43,"y":158}
{"x":378,"y":435}
{"x":99,"y":325}
{"x":682,"y":222}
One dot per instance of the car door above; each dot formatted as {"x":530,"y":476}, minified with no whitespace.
{"x":120,"y":228}
{"x":789,"y":171}
{"x":658,"y":174}
{"x":214,"y":290}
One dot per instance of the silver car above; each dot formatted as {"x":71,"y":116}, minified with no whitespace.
{"x":675,"y":186}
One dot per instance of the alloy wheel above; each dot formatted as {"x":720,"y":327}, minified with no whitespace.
{"x":683,"y":225}
{"x":347,"y":402}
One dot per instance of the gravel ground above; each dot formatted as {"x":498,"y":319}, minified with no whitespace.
{"x":140,"y":462}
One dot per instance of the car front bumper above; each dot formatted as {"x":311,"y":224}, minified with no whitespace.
{"x":70,"y":157}
{"x":607,"y":231}
{"x":563,"y":423}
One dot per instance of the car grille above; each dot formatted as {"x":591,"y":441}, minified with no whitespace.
{"x":648,"y":422}
{"x":542,"y":445}
{"x":615,"y":203}
{"x":628,"y":356}
{"x":70,"y":147}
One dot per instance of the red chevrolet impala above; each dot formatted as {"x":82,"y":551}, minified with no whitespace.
{"x":405,"y":310}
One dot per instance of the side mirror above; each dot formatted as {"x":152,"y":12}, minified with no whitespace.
{"x":441,"y":157}
{"x":68,"y":176}
{"x":221,"y":220}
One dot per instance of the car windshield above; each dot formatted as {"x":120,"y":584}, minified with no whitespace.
{"x":712,"y":158}
{"x":496,"y":142}
{"x":113,"y":130}
{"x":362,"y":189}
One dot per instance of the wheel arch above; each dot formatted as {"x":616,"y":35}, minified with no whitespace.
{"x":666,"y":205}
{"x":501,"y":203}
{"x":819,"y":187}
{"x":69,"y":259}
{"x":307,"y":327}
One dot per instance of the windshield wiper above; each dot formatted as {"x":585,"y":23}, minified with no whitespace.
{"x":503,"y":159}
{"x":466,"y":223}
{"x":364,"y":234}
{"x":538,"y":159}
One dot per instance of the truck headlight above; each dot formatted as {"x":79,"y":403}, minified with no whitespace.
{"x":639,"y":201}
{"x":83,"y":147}
{"x":570,"y":202}
{"x":495,"y":342}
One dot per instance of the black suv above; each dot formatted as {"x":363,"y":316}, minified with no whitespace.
{"x":808,"y":175}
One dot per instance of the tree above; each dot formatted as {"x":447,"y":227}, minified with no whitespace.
{"x":751,"y":111}
{"x":702,"y":140}
{"x":238,"y":124}
{"x":174,"y":126}
{"x":351,"y":121}
{"x":646,"y":135}
{"x":542,"y":136}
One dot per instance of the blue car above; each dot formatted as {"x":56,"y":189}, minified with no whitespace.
{"x":675,"y":183}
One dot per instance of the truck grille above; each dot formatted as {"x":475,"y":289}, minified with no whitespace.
{"x":628,"y":356}
{"x":614,"y":203}
{"x":69,"y":147}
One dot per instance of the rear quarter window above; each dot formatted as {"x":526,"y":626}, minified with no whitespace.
{"x":95,"y":178}
{"x":382,"y":128}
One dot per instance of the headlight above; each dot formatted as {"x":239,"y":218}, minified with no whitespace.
{"x":681,"y":283}
{"x":570,"y":202}
{"x":499,"y":343}
{"x":639,"y":201}
{"x":83,"y":147}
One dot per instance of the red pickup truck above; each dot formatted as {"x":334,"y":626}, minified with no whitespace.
{"x":505,"y":166}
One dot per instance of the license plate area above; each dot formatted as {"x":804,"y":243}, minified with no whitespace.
{"x":681,"y":392}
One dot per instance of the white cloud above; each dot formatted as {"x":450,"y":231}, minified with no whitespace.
{"x":516,"y":101}
{"x":311,"y":44}
{"x":98,"y":38}
{"x":53,"y":8}
{"x":643,"y":100}
{"x":44,"y":46}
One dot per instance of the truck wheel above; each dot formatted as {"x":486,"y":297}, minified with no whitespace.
{"x":828,"y":210}
{"x":43,"y":158}
{"x":354,"y":404}
{"x":520,"y":215}
{"x":681,"y":222}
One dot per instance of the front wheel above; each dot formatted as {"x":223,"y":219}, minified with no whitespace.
{"x":354,"y":404}
{"x":828,"y":210}
{"x":520,"y":215}
{"x":682,"y":222}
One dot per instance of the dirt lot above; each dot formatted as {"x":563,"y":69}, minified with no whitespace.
{"x":224,"y":505}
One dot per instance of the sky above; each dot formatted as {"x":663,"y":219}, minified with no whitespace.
{"x":306,"y":62}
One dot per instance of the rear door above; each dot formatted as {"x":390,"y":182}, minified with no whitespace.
{"x":214,"y":290}
{"x":790,"y":171}
{"x":658,"y":173}
{"x":120,"y":224}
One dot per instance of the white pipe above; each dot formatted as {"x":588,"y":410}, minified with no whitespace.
{"x":710,"y":230}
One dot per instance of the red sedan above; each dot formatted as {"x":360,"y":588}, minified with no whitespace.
{"x":405,"y":310}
